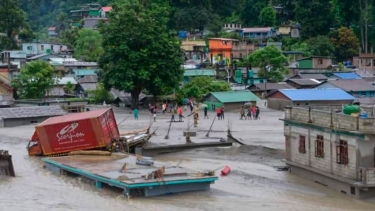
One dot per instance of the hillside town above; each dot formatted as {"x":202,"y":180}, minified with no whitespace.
{"x":185,"y":101}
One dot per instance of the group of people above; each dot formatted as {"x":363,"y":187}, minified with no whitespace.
{"x":250,"y":113}
{"x":220,"y":113}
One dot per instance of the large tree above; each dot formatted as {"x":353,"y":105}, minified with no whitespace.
{"x":267,"y":16}
{"x":345,"y":42}
{"x":314,"y":16}
{"x":321,"y":46}
{"x":139,"y":51}
{"x":270,"y":61}
{"x":35,"y":80}
{"x":12,"y":20}
{"x":88,"y":45}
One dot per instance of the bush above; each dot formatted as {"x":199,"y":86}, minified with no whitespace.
{"x":100,"y":94}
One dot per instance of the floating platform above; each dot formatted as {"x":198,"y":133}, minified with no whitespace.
{"x":121,"y":171}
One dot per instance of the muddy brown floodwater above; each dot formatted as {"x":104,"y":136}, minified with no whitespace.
{"x":253,"y":184}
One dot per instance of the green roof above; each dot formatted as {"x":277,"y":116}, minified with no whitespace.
{"x":235,"y":96}
{"x":80,"y":72}
{"x":199,"y":72}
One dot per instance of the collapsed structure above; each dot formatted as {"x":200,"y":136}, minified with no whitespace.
{"x":332,"y":148}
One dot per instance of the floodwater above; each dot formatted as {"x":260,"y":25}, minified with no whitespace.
{"x":253,"y":184}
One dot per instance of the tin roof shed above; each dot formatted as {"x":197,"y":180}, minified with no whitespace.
{"x":314,"y":94}
{"x":233,"y":96}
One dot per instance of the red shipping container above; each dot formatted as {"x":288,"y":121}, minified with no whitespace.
{"x":79,"y":131}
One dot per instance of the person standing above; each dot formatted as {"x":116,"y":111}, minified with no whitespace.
{"x":253,"y":111}
{"x":249,"y":113}
{"x":173,"y":113}
{"x":164,"y":107}
{"x":242,"y":113}
{"x":222,"y":112}
{"x":205,"y":112}
{"x":257,"y":112}
{"x":218,"y":113}
{"x":135,"y":113}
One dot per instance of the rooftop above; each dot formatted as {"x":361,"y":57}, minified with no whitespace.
{"x":200,"y":72}
{"x":88,"y":79}
{"x":351,"y":85}
{"x":305,"y":81}
{"x":234,"y":96}
{"x":51,"y":28}
{"x":31,"y":111}
{"x":65,"y":80}
{"x":107,"y":8}
{"x":347,"y":75}
{"x":315,"y":94}
{"x":223,"y":39}
{"x":256,"y":30}
{"x":270,"y":86}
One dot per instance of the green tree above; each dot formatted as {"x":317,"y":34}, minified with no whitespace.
{"x":100,"y":94}
{"x":250,"y":10}
{"x":88,"y":45}
{"x":12,"y":19}
{"x":69,"y":88}
{"x":139,"y":51}
{"x":314,"y":16}
{"x":35,"y":80}
{"x":62,"y":24}
{"x":304,"y":47}
{"x":346,"y":43}
{"x":71,"y":37}
{"x":267,"y":16}
{"x":321,"y":46}
{"x":270,"y":61}
{"x":201,"y":86}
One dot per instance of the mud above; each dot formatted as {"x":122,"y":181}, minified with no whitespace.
{"x":253,"y":184}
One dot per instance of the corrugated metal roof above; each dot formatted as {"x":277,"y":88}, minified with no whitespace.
{"x":316,"y":94}
{"x":235,"y":96}
{"x":79,"y":72}
{"x":347,"y":75}
{"x":31,"y":111}
{"x":313,"y":76}
{"x":269,"y":86}
{"x":200,"y":72}
{"x":88,"y":86}
{"x":352,"y":85}
{"x":305,"y":81}
{"x":74,"y":117}
{"x":256,"y":30}
{"x":65,"y":80}
{"x":88,"y":79}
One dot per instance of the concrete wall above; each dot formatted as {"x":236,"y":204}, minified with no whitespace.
{"x":22,"y":121}
{"x":327,"y":163}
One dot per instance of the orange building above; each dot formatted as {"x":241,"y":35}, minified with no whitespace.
{"x":220,"y":48}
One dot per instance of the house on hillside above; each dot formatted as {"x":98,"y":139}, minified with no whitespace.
{"x":45,"y":57}
{"x":258,"y":33}
{"x":356,"y":87}
{"x":87,"y":83}
{"x":59,"y":91}
{"x":231,"y":100}
{"x":318,"y":77}
{"x":17,"y":58}
{"x":195,"y":50}
{"x":311,"y":63}
{"x":52,"y":31}
{"x":104,"y":11}
{"x":302,"y":83}
{"x":265,"y":88}
{"x":35,"y":48}
{"x":308,"y":97}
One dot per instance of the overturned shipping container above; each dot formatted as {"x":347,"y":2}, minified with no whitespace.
{"x":63,"y":134}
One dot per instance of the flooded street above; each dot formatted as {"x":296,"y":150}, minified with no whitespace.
{"x":253,"y":184}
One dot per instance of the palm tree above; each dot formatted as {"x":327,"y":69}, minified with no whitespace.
{"x":62,"y":24}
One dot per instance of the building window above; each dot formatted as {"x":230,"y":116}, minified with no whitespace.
{"x":42,"y":47}
{"x":342,"y":153}
{"x":319,"y":146}
{"x":320,"y":61}
{"x":29,"y":48}
{"x":302,"y":144}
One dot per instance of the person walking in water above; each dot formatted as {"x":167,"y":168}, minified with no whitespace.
{"x":135,"y":113}
{"x":205,"y":113}
{"x":179,"y":111}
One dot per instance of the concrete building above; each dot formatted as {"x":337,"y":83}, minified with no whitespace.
{"x":35,"y":48}
{"x":311,"y":63}
{"x":11,"y":117}
{"x":332,"y":149}
{"x":258,"y":33}
{"x":308,"y":97}
{"x":52,"y":31}
{"x":231,"y":100}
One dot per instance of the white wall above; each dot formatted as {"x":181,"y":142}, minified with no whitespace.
{"x":40,"y":48}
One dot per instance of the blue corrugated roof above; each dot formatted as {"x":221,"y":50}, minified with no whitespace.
{"x":347,"y":75}
{"x":316,"y":94}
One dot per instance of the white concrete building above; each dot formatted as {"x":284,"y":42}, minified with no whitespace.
{"x":332,"y":149}
{"x":35,"y":48}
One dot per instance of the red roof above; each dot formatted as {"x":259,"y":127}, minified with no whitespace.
{"x":52,"y":28}
{"x":74,"y":117}
{"x":107,"y":9}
